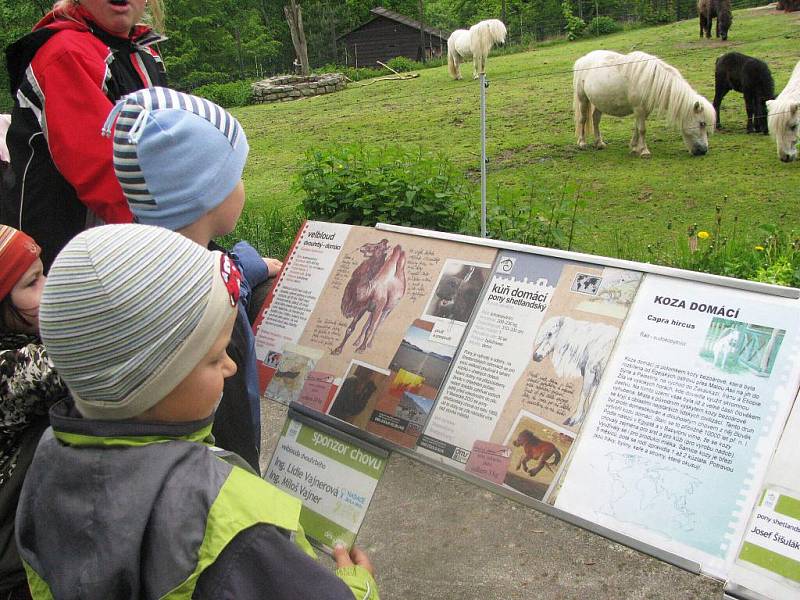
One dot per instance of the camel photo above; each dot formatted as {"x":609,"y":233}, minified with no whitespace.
{"x":375,"y":287}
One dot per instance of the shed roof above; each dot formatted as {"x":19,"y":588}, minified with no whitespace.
{"x":379,"y":11}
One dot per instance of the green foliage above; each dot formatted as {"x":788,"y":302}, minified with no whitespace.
{"x":548,"y":221}
{"x":655,"y":14}
{"x":228,"y":40}
{"x":575,"y":26}
{"x":603,"y":26}
{"x":365,"y":185}
{"x":401,"y":64}
{"x":270,"y":230}
{"x":351,"y":73}
{"x":16,"y":19}
{"x":723,"y":249}
{"x":227,"y":95}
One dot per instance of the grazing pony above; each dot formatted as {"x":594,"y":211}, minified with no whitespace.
{"x":474,"y":43}
{"x":375,"y":287}
{"x":751,"y":77}
{"x":784,"y":117}
{"x":579,"y":349}
{"x":721,"y":9}
{"x":638,"y":83}
{"x":538,"y":450}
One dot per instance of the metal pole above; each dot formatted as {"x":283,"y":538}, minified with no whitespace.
{"x":484,"y":84}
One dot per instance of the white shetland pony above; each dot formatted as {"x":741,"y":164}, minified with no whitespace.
{"x":474,"y":43}
{"x":638,"y":84}
{"x":578,"y":349}
{"x":783,"y":117}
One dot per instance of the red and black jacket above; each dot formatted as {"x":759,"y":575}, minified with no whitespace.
{"x":66,"y":75}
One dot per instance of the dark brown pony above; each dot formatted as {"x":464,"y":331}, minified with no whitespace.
{"x":751,"y":77}
{"x":457,"y":294}
{"x":536,"y":449}
{"x":708,"y":10}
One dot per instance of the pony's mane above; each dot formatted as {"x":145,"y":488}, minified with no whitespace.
{"x":663,"y":88}
{"x":496,"y":27}
{"x":780,"y":110}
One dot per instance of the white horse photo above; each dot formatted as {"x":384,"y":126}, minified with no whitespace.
{"x":474,"y":43}
{"x":579,"y":349}
{"x":638,"y":84}
{"x":725,"y":345}
{"x":783,"y":117}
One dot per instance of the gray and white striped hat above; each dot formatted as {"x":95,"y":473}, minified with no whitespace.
{"x":128,"y":311}
{"x":176,"y":156}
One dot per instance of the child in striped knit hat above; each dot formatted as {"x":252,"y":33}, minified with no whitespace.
{"x":126,"y":497}
{"x":28,"y":387}
{"x":179,"y":161}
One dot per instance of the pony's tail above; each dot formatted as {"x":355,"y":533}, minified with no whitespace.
{"x":556,"y":457}
{"x":577,"y":88}
{"x":452,"y":66}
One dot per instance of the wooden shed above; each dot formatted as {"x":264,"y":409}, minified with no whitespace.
{"x":389,"y":34}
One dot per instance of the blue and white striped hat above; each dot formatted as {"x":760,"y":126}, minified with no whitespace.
{"x":128,"y":311}
{"x":176,"y":156}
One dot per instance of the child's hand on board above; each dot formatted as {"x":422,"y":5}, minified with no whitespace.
{"x":273,"y":265}
{"x":355,"y":557}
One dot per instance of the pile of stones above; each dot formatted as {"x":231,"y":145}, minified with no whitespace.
{"x":293,"y":87}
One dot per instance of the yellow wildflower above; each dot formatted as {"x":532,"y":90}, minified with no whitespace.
{"x":759,"y":248}
{"x":703,"y":235}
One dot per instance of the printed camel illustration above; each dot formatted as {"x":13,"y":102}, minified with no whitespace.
{"x":375,"y":287}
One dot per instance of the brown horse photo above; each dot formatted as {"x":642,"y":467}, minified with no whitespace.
{"x":537,"y":450}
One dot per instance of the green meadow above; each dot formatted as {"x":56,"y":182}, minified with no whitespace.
{"x":625,"y":203}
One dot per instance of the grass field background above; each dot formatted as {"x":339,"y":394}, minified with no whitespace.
{"x":627,"y":201}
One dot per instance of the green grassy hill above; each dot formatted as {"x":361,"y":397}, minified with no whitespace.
{"x":531,"y":142}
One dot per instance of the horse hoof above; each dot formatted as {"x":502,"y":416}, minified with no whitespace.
{"x":600,"y":145}
{"x":582,"y":145}
{"x":645,"y":154}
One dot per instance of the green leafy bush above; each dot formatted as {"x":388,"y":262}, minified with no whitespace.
{"x":365,"y":185}
{"x":227,"y":95}
{"x":270,"y":229}
{"x":772,"y":257}
{"x":575,"y":26}
{"x":603,"y":26}
{"x":402,"y":64}
{"x":539,"y":221}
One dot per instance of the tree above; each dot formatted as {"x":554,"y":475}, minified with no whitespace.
{"x":294,"y":16}
{"x":17,"y":17}
{"x":421,"y":30}
{"x":228,"y":40}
